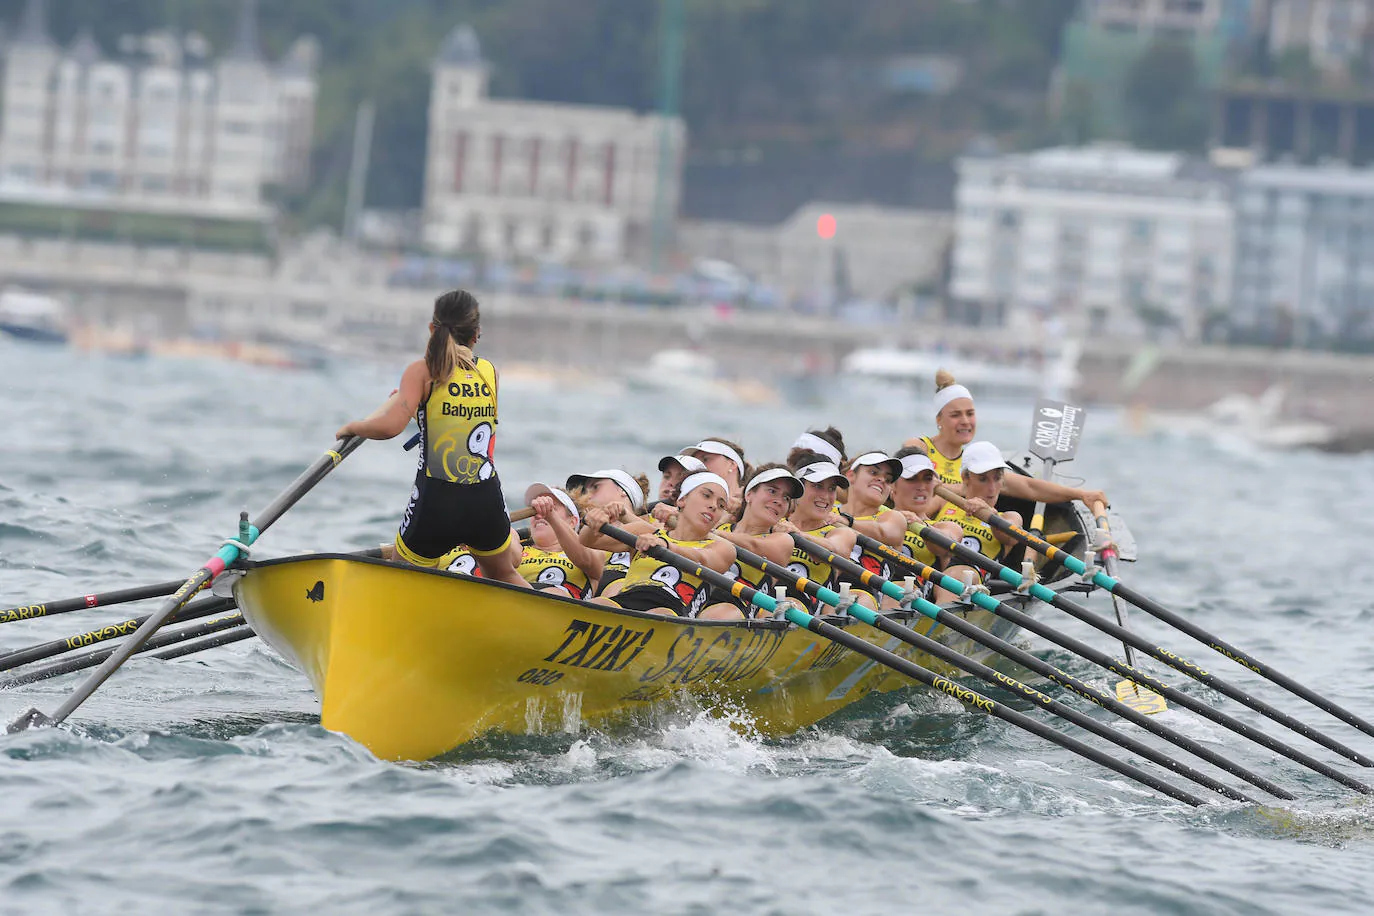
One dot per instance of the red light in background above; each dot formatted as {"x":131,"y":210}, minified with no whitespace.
{"x":825,"y":226}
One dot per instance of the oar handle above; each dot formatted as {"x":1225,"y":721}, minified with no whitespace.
{"x":849,"y":567}
{"x":950,"y":496}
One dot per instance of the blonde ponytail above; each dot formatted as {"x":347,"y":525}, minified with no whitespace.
{"x":943,"y":379}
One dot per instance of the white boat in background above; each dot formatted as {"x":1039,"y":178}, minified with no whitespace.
{"x":691,"y":372}
{"x":1054,"y":377}
{"x":1256,"y":421}
{"x":33,"y":317}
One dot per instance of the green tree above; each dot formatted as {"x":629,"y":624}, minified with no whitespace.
{"x":1165,"y":105}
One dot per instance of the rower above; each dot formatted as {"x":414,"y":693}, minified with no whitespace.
{"x":956,"y":424}
{"x":769,"y":495}
{"x":724,"y":459}
{"x":675,"y":469}
{"x":621,"y":496}
{"x":827,"y":442}
{"x":656,"y":587}
{"x":457,"y":497}
{"x":913,"y":495}
{"x":983,"y":471}
{"x":871,"y":476}
{"x":814,"y":517}
{"x":557,"y":562}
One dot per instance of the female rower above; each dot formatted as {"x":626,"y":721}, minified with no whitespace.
{"x":913,"y":495}
{"x":814,"y":517}
{"x":983,"y":474}
{"x":956,"y":423}
{"x":556,"y":561}
{"x":675,"y":469}
{"x":826,"y":442}
{"x":621,"y":496}
{"x":457,"y":495}
{"x":724,"y":459}
{"x":760,"y":527}
{"x":652,"y":585}
{"x":871,"y":476}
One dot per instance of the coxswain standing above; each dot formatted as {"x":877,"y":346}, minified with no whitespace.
{"x":457,"y":494}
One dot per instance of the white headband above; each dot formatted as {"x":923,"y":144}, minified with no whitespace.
{"x":952,"y":393}
{"x":702,"y":477}
{"x":626,"y":483}
{"x":713,"y":447}
{"x":777,"y":474}
{"x":819,"y":446}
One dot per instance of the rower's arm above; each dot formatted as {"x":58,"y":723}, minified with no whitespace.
{"x":1046,"y":491}
{"x":592,"y":537}
{"x":776,"y":547}
{"x":592,"y":562}
{"x":889,"y":528}
{"x":717,"y":555}
{"x":391,"y":419}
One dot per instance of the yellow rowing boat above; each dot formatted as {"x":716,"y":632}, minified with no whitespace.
{"x":412,"y":663}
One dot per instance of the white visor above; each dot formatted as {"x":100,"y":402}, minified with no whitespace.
{"x":952,"y":393}
{"x":915,"y":464}
{"x":720,"y":448}
{"x":700,"y":478}
{"x":822,"y":471}
{"x":686,"y":462}
{"x":878,"y":458}
{"x":981,"y":457}
{"x":617,"y":476}
{"x":819,"y":446}
{"x":542,"y":489}
{"x":772,"y":474}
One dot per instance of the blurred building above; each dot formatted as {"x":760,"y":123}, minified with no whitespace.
{"x":156,"y":126}
{"x":1112,"y":237}
{"x":849,"y":251}
{"x":1304,"y":255}
{"x":513,"y":178}
{"x":1232,"y":18}
{"x":1332,"y":33}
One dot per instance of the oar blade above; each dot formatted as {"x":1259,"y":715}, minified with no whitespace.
{"x":1142,"y":699}
{"x":1056,"y":429}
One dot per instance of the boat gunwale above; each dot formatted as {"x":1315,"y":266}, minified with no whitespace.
{"x":1063,"y":583}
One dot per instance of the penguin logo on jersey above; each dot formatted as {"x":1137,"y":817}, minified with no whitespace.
{"x":619,"y":559}
{"x":689,"y":596}
{"x":480,"y":442}
{"x":555,"y":577}
{"x":972,"y":543}
{"x":464,"y":563}
{"x":873,"y":565}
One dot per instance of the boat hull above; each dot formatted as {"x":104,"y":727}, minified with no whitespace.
{"x":412,"y":663}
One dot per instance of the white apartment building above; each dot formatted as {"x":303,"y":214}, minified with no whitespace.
{"x":1331,"y":31}
{"x":1114,"y":238}
{"x":1189,"y":16}
{"x":1304,"y":254}
{"x":157,"y":126}
{"x":514,"y":178}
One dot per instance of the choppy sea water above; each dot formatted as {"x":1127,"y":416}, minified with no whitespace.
{"x":205,"y":784}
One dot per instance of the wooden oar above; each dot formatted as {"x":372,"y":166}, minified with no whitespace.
{"x":977,"y":634}
{"x":797,"y":616}
{"x":248,"y":533}
{"x":981,"y":671}
{"x":193,"y":611}
{"x":169,"y":637}
{"x":1048,"y":596}
{"x":86,"y":602}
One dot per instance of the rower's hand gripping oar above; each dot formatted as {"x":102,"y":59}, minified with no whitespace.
{"x":977,"y":634}
{"x":1048,"y":596}
{"x":248,"y":533}
{"x":978,"y":669}
{"x":800,"y":618}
